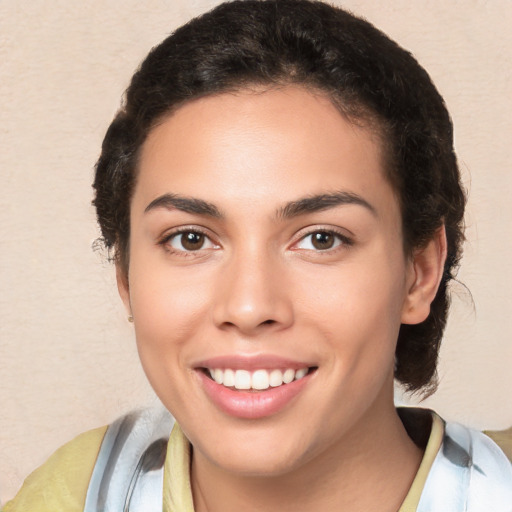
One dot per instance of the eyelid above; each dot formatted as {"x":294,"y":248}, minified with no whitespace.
{"x":164,"y":239}
{"x":342,"y":236}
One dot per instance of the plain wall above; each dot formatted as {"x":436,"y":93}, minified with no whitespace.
{"x":67,"y":355}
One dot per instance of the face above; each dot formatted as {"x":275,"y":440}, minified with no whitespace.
{"x":267,"y":277}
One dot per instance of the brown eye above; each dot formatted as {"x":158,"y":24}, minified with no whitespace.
{"x":189,"y":241}
{"x":192,"y":241}
{"x":323,"y":240}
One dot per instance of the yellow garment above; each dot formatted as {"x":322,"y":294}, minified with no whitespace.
{"x":503,"y":438}
{"x":60,"y":485}
{"x":435,"y":439}
{"x":177,"y":488}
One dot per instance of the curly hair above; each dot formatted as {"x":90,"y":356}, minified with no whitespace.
{"x":368,"y":77}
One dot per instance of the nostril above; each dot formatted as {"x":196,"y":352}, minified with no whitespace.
{"x":268,"y":322}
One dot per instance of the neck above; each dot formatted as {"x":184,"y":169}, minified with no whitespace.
{"x":371,"y":468}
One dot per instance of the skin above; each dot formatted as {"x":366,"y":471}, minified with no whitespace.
{"x":259,"y":286}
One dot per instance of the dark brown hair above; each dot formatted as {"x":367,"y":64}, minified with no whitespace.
{"x":368,"y":77}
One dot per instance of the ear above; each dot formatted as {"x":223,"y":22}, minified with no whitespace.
{"x":424,"y":275}
{"x":123,"y":287}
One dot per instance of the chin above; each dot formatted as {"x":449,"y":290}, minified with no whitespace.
{"x":255,"y":452}
{"x":263,"y":464}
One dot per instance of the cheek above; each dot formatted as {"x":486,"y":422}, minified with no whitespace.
{"x":357,"y":308}
{"x":168,"y":314}
{"x":169,"y":309}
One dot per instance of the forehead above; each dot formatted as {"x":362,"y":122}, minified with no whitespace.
{"x":256,"y":145}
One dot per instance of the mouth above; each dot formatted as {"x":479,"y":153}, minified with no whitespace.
{"x":256,"y":380}
{"x":256,"y":393}
{"x":254,"y":387}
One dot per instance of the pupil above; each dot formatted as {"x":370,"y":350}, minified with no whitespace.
{"x":192,"y":241}
{"x":323,"y":240}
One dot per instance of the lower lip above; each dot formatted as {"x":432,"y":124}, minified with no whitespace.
{"x":253,"y":404}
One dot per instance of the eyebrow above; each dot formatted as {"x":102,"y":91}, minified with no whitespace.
{"x":292,"y":209}
{"x":185,"y":204}
{"x":321,"y":202}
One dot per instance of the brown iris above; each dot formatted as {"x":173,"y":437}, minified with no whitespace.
{"x":192,"y":241}
{"x":322,"y":240}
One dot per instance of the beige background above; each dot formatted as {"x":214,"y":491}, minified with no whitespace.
{"x":67,"y":356}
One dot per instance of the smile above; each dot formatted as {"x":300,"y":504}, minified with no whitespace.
{"x":259,"y":379}
{"x":253,"y":387}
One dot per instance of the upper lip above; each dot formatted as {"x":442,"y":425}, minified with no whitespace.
{"x":252,"y":362}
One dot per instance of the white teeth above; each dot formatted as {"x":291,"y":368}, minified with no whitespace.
{"x":288,"y":376}
{"x":229,"y":378}
{"x":276,"y":378}
{"x":218,"y":376}
{"x":300,"y":373}
{"x":242,"y":379}
{"x":259,"y":379}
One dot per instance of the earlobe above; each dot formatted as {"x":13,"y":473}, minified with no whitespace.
{"x":425,"y":274}
{"x":123,"y":287}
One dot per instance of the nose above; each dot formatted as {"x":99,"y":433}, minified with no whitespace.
{"x":252,"y":295}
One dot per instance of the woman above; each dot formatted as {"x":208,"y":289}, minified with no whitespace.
{"x":284,"y":208}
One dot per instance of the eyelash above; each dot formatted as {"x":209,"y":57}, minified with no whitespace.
{"x":342,"y":239}
{"x":167,"y":238}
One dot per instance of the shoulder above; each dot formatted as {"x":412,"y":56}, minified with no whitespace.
{"x":503,"y":438}
{"x":491,"y":473}
{"x":470,"y":473}
{"x":103,"y":469}
{"x":129,"y":470}
{"x":61,"y":482}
